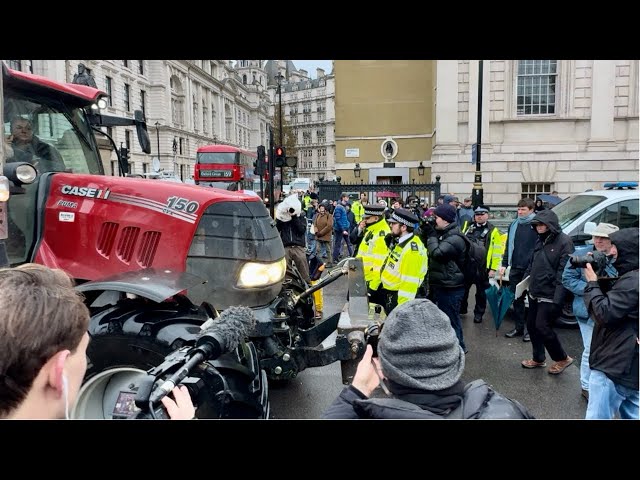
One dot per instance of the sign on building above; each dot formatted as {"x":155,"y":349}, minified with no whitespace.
{"x":352,"y":152}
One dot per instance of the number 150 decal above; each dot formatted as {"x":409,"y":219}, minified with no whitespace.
{"x":182,"y":204}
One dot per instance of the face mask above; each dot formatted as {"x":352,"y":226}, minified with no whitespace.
{"x":65,"y":394}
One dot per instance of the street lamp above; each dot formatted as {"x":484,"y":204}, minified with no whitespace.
{"x":157,"y":124}
{"x":477,"y":194}
{"x":280,"y":77}
{"x":421,"y":169}
{"x":356,"y":170}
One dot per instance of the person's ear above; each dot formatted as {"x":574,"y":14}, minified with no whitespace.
{"x":57,"y":376}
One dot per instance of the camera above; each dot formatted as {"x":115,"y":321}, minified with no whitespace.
{"x":598,"y":261}
{"x":371,"y":336}
{"x":431,"y":220}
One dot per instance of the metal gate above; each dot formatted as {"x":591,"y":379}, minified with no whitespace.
{"x":429,"y":192}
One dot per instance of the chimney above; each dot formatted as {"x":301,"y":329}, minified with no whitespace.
{"x":319,"y":72}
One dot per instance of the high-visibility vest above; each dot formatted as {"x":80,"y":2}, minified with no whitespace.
{"x":405,"y":269}
{"x":495,"y":249}
{"x":373,"y":250}
{"x":358,"y":210}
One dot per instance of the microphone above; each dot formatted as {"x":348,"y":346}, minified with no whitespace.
{"x":219,"y":337}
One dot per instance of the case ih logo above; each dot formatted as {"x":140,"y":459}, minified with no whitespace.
{"x":86,"y":192}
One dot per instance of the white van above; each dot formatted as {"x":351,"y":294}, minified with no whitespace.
{"x":617,"y":204}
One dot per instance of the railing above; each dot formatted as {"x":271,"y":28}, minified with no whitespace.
{"x":332,"y":190}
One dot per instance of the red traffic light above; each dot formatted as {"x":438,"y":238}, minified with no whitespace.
{"x":279,"y":152}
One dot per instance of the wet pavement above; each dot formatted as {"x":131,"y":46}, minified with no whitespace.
{"x":496,"y":359}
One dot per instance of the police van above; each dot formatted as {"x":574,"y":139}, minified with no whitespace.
{"x":617,"y":204}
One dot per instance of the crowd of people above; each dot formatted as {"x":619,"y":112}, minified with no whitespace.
{"x":411,"y":252}
{"x":414,"y":268}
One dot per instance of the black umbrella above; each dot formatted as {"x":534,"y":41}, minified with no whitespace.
{"x":552,"y":200}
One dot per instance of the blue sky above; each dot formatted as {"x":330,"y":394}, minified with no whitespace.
{"x":311,"y":65}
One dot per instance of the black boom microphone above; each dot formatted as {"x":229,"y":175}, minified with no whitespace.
{"x":222,"y":336}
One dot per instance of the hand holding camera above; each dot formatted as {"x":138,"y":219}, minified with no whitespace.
{"x":597,"y":260}
{"x":368,"y":374}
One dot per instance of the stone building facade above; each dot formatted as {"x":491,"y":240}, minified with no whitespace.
{"x":308,"y":106}
{"x":187,"y":103}
{"x":563,"y":125}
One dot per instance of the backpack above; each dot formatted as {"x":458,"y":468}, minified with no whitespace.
{"x":475,"y":260}
{"x":480,"y":401}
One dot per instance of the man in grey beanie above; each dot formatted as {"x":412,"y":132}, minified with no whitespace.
{"x":419,"y":368}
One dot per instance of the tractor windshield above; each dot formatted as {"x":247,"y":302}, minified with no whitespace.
{"x":42,"y":131}
{"x":48,"y":135}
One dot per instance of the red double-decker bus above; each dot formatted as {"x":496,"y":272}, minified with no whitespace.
{"x":223,"y":166}
{"x":231,"y":168}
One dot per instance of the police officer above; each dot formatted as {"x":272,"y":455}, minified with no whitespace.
{"x":482,"y":231}
{"x":371,"y":245}
{"x":405,"y":266}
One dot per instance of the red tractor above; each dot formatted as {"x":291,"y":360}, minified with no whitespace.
{"x":155,"y":260}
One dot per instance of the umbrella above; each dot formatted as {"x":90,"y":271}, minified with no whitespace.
{"x":387,"y":194}
{"x":499,"y":299}
{"x":550,"y":199}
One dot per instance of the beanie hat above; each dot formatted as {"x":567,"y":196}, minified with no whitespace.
{"x":446,"y":212}
{"x":418,"y":347}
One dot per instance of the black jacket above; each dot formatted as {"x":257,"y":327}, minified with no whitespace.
{"x":614,"y":344}
{"x":549,"y":257}
{"x":476,"y":400}
{"x":524,"y":243}
{"x":293,"y":232}
{"x":446,"y":255}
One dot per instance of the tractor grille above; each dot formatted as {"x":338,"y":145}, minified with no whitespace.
{"x":106,"y":238}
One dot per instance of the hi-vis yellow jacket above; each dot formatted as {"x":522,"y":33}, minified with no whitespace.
{"x":373,"y":250}
{"x":405,"y":269}
{"x":495,"y":249}
{"x":358,"y":210}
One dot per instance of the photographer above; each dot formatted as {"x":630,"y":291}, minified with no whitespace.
{"x":446,"y":249}
{"x":43,"y":343}
{"x":613,"y":384}
{"x":419,"y":368}
{"x":573,"y":280}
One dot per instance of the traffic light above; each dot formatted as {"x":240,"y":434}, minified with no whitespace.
{"x":280,"y":156}
{"x":259,"y":164}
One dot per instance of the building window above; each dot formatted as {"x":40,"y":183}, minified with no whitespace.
{"x":180,"y":146}
{"x":532,"y":190}
{"x":145,"y":166}
{"x":141,"y":67}
{"x":108,"y":81}
{"x":125,"y":63}
{"x":205,"y":118}
{"x":143,"y":103}
{"x":15,"y":64}
{"x":537,"y":80}
{"x":127,"y":103}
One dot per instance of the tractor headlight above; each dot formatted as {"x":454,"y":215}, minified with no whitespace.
{"x":255,"y":274}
